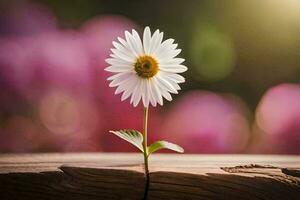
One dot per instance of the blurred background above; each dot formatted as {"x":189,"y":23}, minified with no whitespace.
{"x":242,"y":90}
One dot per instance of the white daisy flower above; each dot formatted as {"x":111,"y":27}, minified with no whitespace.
{"x":145,"y":70}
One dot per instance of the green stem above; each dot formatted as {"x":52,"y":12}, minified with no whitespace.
{"x":145,"y":127}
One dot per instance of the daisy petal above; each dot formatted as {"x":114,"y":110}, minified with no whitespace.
{"x":139,"y":94}
{"x":158,"y":42}
{"x":123,"y":49}
{"x":176,"y":77}
{"x":173,"y":83}
{"x":126,"y":46}
{"x":166,"y":45}
{"x":115,"y":76}
{"x":153,"y":41}
{"x":122,"y":56}
{"x":156,"y":93}
{"x":168,"y":55}
{"x":124,"y":43}
{"x":115,"y":61}
{"x":174,"y":61}
{"x":145,"y":95}
{"x":138,"y":42}
{"x":165,"y":93}
{"x":136,"y":94}
{"x":128,"y":89}
{"x":131,"y":43}
{"x":122,"y":87}
{"x":152,"y":99}
{"x":147,"y":40}
{"x":119,"y":80}
{"x":118,"y":69}
{"x":174,"y":69}
{"x":166,"y":85}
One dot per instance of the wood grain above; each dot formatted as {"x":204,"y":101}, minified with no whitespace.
{"x":120,"y":176}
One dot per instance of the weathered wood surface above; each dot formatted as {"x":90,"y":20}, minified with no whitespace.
{"x":89,"y":176}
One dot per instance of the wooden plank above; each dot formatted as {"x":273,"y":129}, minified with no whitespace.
{"x":172,"y":176}
{"x":71,"y":176}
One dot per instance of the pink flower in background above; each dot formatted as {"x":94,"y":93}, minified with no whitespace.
{"x":60,"y":60}
{"x":34,"y":67}
{"x":31,"y":65}
{"x":99,"y":32}
{"x":21,"y":23}
{"x":14,"y":54}
{"x":74,"y":121}
{"x":205,"y":122}
{"x":278,"y":118}
{"x":19,"y":17}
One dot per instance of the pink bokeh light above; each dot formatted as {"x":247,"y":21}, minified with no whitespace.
{"x":278,"y":120}
{"x":206,"y":122}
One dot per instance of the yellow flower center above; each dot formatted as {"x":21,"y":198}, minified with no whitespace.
{"x":146,"y":66}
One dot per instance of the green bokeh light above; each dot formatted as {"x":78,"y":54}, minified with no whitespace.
{"x":212,"y":53}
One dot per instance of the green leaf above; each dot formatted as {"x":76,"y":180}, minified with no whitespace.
{"x":164,"y":145}
{"x":132,"y":136}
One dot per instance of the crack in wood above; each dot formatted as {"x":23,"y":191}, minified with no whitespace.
{"x":244,"y":168}
{"x":147,"y":177}
{"x":291,"y":172}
